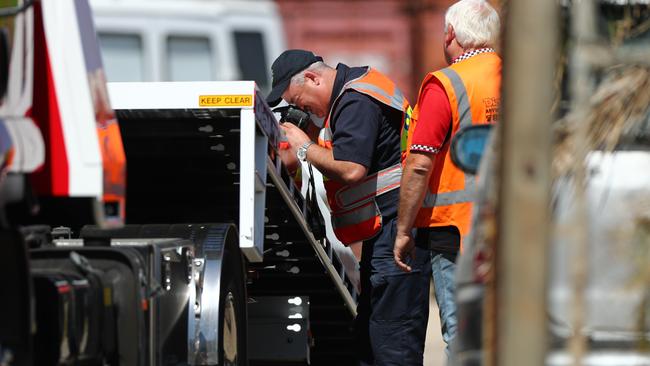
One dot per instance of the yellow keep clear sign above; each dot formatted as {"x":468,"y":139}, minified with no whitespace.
{"x":228,"y":100}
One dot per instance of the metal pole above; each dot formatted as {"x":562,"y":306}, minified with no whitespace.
{"x":530,"y":53}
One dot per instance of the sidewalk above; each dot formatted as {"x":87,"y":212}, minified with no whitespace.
{"x":434,"y":349}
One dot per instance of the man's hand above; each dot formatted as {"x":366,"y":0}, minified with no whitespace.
{"x":295,"y":136}
{"x":413,"y":187}
{"x":404,"y":247}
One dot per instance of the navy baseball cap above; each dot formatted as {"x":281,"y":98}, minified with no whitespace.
{"x":288,"y":64}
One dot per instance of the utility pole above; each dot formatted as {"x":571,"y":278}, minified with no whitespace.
{"x":530,"y":49}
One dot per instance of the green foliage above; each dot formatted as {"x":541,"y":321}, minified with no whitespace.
{"x":8,"y":3}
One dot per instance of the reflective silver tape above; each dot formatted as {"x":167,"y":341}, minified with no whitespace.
{"x":325,"y":134}
{"x":463,"y":107}
{"x":396,"y":100}
{"x":377,"y":184}
{"x":454,"y":197}
{"x":465,"y":120}
{"x":355,"y":216}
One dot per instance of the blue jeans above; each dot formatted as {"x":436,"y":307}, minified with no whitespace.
{"x":443,"y":265}
{"x":393,"y":306}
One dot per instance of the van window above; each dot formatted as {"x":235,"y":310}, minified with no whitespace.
{"x":122,"y":55}
{"x":251,"y":58}
{"x":189,"y":59}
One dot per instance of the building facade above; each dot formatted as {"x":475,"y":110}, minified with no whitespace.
{"x":402,"y":38}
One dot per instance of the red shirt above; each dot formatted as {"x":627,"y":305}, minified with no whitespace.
{"x":434,"y":119}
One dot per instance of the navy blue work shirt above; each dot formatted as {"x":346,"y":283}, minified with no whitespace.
{"x":365,"y":131}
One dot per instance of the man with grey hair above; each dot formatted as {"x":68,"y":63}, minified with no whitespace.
{"x":436,"y":196}
{"x":358,"y":151}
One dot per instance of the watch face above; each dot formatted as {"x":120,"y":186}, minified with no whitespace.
{"x":301,"y":153}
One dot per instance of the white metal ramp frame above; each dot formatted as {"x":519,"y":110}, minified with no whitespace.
{"x":259,"y":133}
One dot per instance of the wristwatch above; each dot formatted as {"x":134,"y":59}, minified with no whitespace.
{"x":302,"y":151}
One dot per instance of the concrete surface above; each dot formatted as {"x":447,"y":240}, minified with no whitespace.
{"x":434,"y":348}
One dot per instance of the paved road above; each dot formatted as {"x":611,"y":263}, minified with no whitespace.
{"x":434,"y":349}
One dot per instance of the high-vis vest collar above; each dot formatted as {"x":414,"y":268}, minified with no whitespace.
{"x":472,"y":87}
{"x":355,"y":215}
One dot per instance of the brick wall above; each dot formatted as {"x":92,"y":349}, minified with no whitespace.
{"x":380,"y":33}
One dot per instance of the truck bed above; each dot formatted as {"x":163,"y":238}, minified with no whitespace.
{"x":191,"y":163}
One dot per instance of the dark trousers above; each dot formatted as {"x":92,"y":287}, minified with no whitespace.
{"x":393,"y":307}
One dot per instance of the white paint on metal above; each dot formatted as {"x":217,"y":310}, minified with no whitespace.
{"x":252,"y":184}
{"x":21,"y":67}
{"x":28,"y":144}
{"x":74,"y":100}
{"x":175,"y":95}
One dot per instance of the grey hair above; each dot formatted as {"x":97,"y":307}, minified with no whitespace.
{"x":317,"y":66}
{"x":475,"y":22}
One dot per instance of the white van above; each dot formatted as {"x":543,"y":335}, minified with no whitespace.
{"x":189,"y":40}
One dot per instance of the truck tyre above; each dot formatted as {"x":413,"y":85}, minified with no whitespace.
{"x":232,"y":307}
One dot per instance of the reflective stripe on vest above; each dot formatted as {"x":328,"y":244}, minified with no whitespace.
{"x":404,"y":142}
{"x":396,"y":100}
{"x":356,"y":215}
{"x":465,"y":120}
{"x":325,"y":136}
{"x":376,"y":184}
{"x":325,"y":140}
{"x":450,"y":198}
{"x":464,"y":110}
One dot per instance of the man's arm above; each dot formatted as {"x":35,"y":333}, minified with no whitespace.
{"x":413,"y":187}
{"x":346,"y":172}
{"x":428,"y":138}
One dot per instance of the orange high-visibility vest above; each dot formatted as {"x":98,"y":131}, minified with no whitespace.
{"x":473,"y":88}
{"x":355,"y":215}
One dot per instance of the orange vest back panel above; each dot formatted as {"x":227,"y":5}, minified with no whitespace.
{"x":473,"y":88}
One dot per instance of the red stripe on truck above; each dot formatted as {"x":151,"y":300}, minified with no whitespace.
{"x":53,"y":177}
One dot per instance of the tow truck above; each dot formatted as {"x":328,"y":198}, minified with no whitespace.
{"x":159,"y":214}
